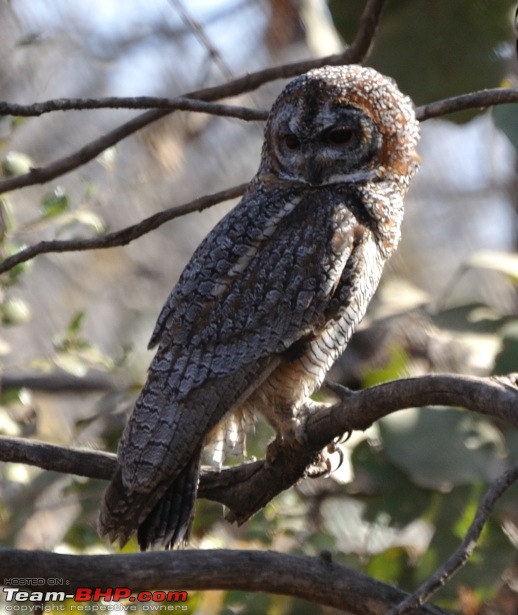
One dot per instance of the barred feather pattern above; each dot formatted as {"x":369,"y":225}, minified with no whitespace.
{"x":272,"y":295}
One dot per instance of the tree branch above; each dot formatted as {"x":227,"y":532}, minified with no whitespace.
{"x":461,"y":555}
{"x":316,"y":579}
{"x":139,"y":102}
{"x":463,"y":102}
{"x":125,"y":235}
{"x":60,"y":382}
{"x":473,"y":100}
{"x":247,"y":488}
{"x":355,"y":53}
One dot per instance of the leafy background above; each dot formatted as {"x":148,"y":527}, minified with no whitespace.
{"x":409,"y":486}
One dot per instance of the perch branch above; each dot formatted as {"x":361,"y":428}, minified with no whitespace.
{"x":316,"y":579}
{"x":247,"y":488}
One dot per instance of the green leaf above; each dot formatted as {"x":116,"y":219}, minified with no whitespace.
{"x":88,"y":218}
{"x":74,"y":326}
{"x":7,"y":221}
{"x":17,"y":120}
{"x":388,"y":489}
{"x":107,"y":158}
{"x":506,"y":360}
{"x":71,"y":363}
{"x":12,"y":277}
{"x":395,"y":367}
{"x":5,"y":348}
{"x":504,"y":262}
{"x":388,"y":565}
{"x":441,"y":448}
{"x":16,"y":163}
{"x":15,"y":311}
{"x":492,"y":554}
{"x":55,"y":203}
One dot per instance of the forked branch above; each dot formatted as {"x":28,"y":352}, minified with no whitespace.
{"x":246,"y":488}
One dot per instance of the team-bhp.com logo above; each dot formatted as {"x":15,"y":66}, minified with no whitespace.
{"x":109,"y":599}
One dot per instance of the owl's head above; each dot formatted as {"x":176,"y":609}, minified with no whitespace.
{"x":341,"y":124}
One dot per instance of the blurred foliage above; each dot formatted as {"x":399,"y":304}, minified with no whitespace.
{"x":505,"y":117}
{"x":419,"y":476}
{"x":436,"y":49}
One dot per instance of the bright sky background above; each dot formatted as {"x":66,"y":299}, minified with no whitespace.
{"x":101,"y":25}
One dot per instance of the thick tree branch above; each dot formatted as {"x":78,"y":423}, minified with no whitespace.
{"x":355,"y":53}
{"x":247,"y":488}
{"x":461,"y":555}
{"x":125,"y":235}
{"x":316,"y":579}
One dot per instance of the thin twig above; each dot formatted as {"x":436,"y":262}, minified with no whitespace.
{"x":64,"y":165}
{"x":125,"y":235}
{"x":461,"y":555}
{"x":355,"y":53}
{"x":199,"y":32}
{"x":474,"y":100}
{"x":179,"y":103}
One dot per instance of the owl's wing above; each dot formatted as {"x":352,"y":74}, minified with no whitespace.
{"x":259,"y":282}
{"x":260,"y":278}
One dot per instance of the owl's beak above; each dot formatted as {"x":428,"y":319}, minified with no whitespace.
{"x":314,"y":170}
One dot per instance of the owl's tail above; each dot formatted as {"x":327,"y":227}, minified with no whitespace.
{"x":162,"y":517}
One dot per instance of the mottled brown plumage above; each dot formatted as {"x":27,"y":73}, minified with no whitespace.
{"x":271,"y":296}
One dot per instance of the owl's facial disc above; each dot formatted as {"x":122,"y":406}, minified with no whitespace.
{"x":336,"y":144}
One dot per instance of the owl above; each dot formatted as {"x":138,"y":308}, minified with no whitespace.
{"x":271,"y":296}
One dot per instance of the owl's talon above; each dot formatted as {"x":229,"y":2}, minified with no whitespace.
{"x":339,"y":389}
{"x":322,"y":465}
{"x":333,"y":448}
{"x":346,"y":436}
{"x":272,"y":452}
{"x":300,"y":436}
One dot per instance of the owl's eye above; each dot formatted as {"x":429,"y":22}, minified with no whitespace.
{"x":340,"y":136}
{"x":291,"y":141}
